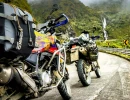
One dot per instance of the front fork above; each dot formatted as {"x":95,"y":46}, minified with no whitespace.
{"x":88,"y":67}
{"x":95,"y":65}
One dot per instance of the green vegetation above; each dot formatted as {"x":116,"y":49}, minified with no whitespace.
{"x":125,"y":56}
{"x":81,"y":17}
{"x":118,"y":21}
{"x":113,"y":44}
{"x":23,"y":4}
{"x":86,"y":18}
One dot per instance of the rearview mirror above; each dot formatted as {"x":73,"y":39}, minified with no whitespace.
{"x":55,"y":7}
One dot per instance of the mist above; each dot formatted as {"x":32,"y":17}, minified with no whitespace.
{"x":46,"y":0}
{"x":33,"y":0}
{"x":89,"y":2}
{"x":30,"y":0}
{"x":126,"y":5}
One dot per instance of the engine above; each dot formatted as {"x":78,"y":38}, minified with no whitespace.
{"x":46,"y":78}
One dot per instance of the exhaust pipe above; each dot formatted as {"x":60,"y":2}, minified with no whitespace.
{"x":5,"y":74}
{"x":16,"y":78}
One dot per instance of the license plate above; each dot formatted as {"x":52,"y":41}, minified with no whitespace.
{"x":74,"y":55}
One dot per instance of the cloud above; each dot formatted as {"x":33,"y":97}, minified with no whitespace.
{"x":33,"y":0}
{"x":126,"y":5}
{"x":30,"y":0}
{"x":88,"y":2}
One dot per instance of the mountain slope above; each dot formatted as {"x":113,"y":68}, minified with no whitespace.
{"x":23,"y":4}
{"x":118,"y":20}
{"x":81,"y":17}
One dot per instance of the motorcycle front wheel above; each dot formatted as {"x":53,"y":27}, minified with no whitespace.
{"x":83,"y":74}
{"x":65,"y":90}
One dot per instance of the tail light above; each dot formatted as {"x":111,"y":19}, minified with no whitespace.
{"x":73,"y":46}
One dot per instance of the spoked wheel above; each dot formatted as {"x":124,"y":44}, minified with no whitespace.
{"x":65,"y":90}
{"x":83,"y":73}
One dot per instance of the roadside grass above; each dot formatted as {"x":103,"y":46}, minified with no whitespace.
{"x":125,"y":56}
{"x":114,"y":44}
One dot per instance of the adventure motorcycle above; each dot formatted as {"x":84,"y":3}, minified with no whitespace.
{"x":84,"y":52}
{"x":43,"y":70}
{"x":49,"y":60}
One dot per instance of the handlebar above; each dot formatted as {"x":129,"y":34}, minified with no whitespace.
{"x":95,"y":37}
{"x":59,"y":18}
{"x":53,"y":23}
{"x":61,"y":22}
{"x":66,"y":44}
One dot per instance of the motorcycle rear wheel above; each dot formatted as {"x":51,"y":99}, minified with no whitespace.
{"x":64,"y":90}
{"x":84,"y":76}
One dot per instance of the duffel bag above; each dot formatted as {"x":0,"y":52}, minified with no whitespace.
{"x":17,"y":36}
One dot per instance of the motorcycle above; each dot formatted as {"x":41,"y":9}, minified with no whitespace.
{"x":50,"y":60}
{"x":84,"y":52}
{"x":43,"y":70}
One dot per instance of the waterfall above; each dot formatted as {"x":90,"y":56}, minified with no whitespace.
{"x":104,"y":23}
{"x":104,"y":27}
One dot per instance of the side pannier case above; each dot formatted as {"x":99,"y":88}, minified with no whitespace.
{"x":93,"y":53}
{"x":16,"y":32}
